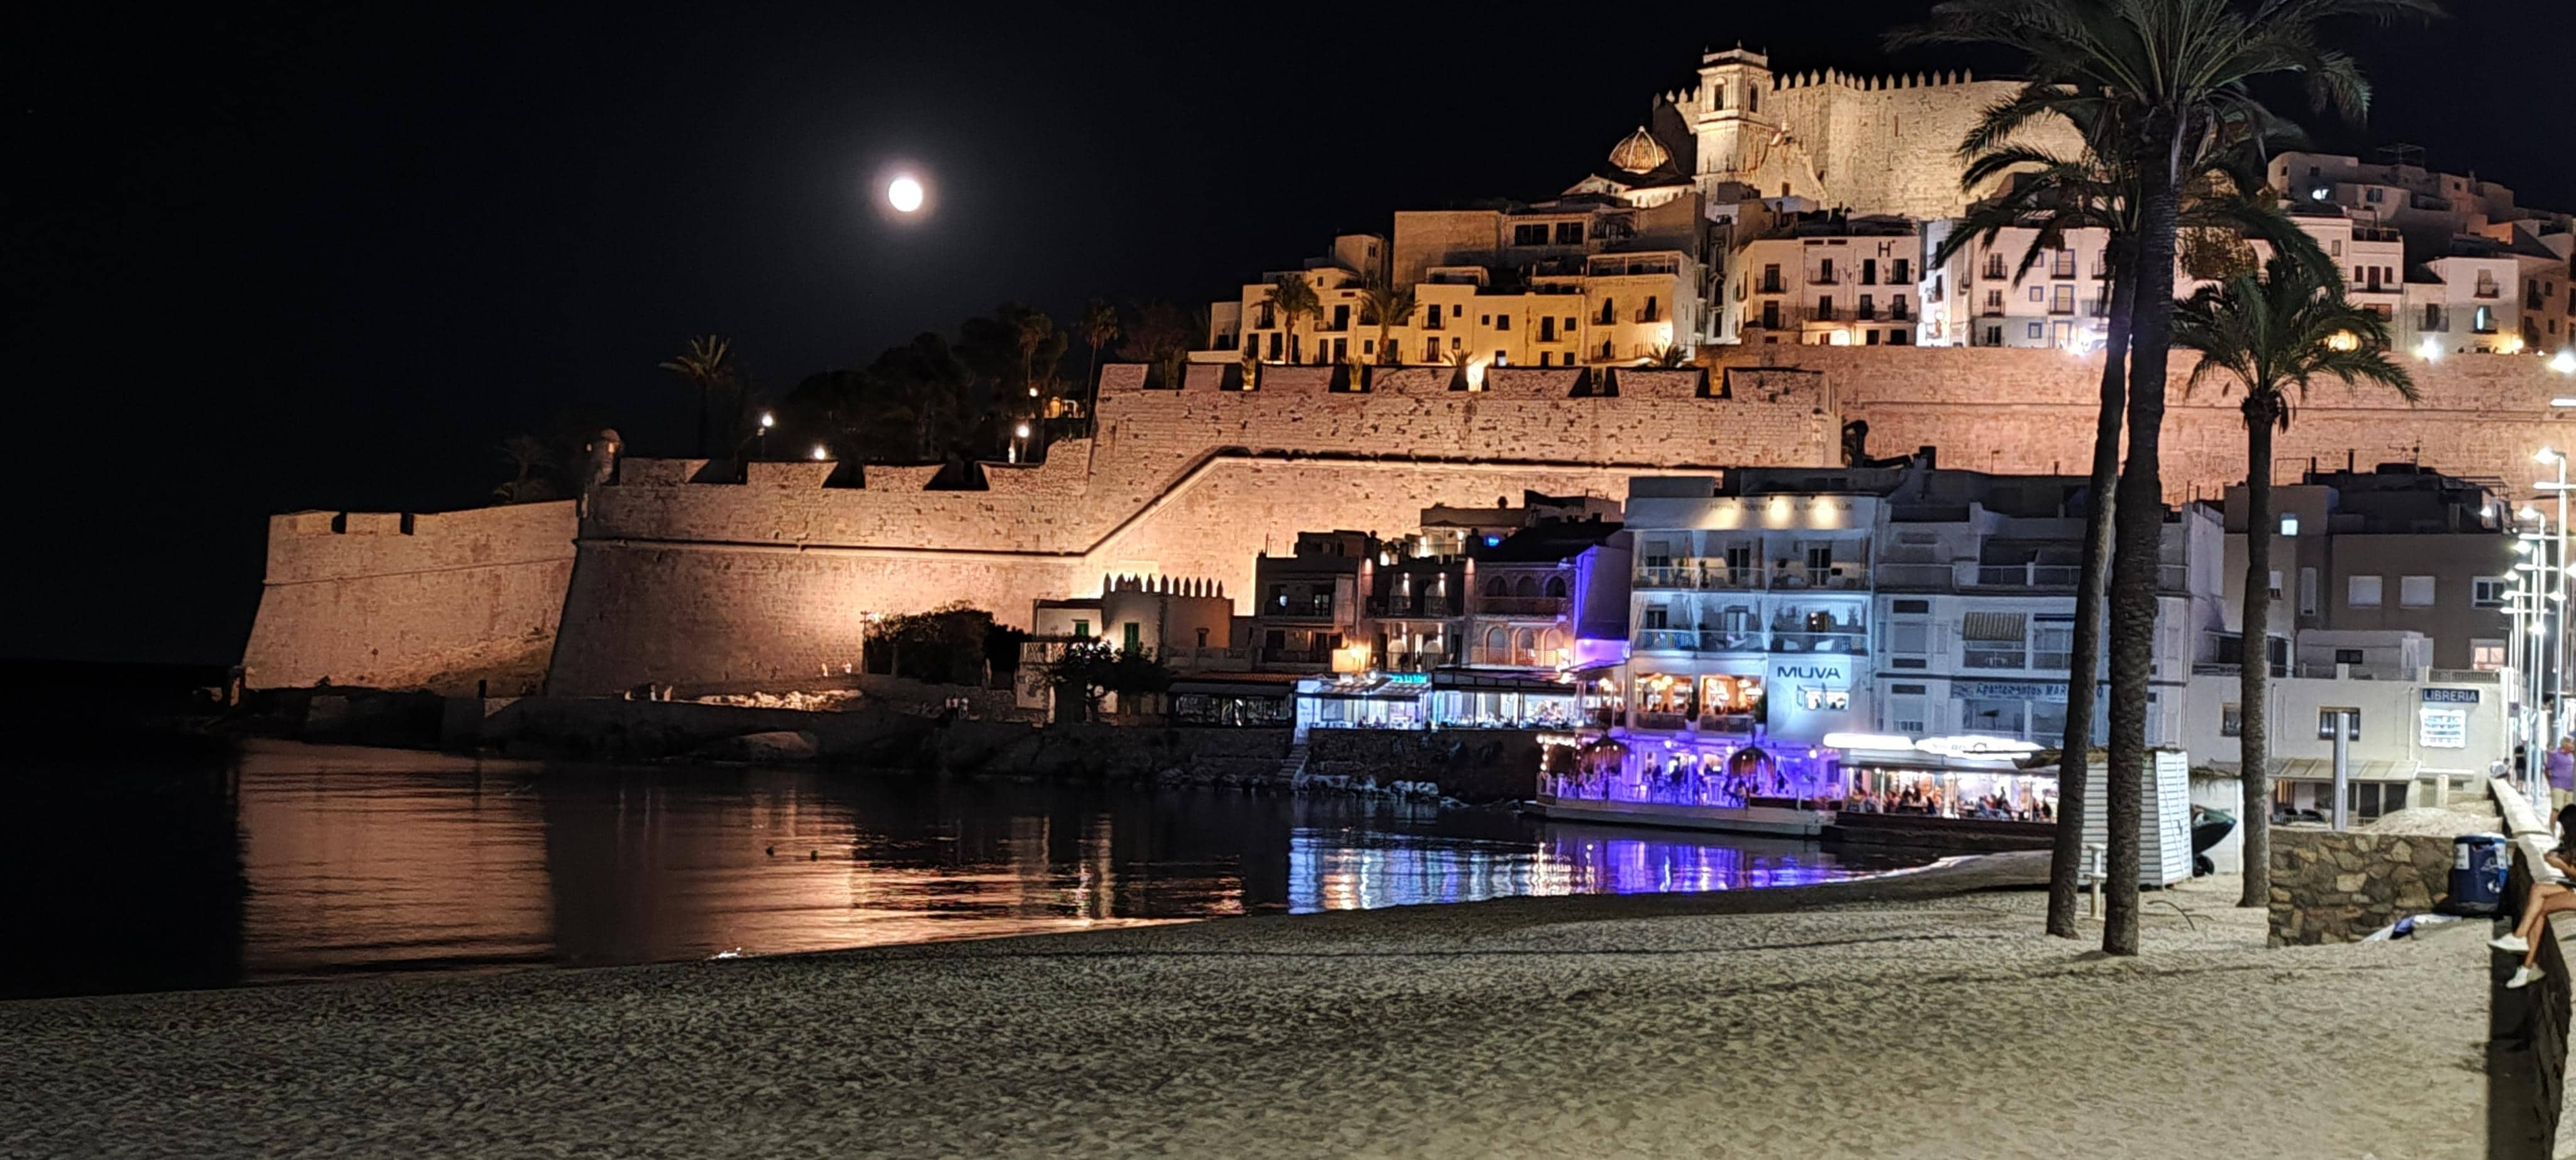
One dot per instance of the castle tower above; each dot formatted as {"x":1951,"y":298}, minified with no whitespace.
{"x":1728,"y":114}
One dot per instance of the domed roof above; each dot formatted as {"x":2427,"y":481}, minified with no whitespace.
{"x":1640,"y":153}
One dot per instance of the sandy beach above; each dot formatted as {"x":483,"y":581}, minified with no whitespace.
{"x":1896,"y":1018}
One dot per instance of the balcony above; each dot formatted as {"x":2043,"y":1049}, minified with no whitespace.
{"x":1899,"y":313}
{"x":1865,"y":313}
{"x":1700,"y":640}
{"x":1525,"y":658}
{"x":2331,"y":672}
{"x":1668,"y":576}
{"x":2486,"y":290}
{"x":1823,"y":312}
{"x":1771,"y":286}
{"x":1981,"y":654}
{"x":1650,"y":314}
{"x":1532,"y":606}
{"x":1820,"y":278}
{"x":1737,"y":723}
{"x":2044,"y":577}
{"x":1412,"y":606}
{"x":1297,"y":656}
{"x":1851,"y":641}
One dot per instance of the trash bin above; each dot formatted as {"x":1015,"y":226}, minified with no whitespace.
{"x":2478,"y":866}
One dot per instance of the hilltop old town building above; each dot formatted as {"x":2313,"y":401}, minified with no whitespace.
{"x":1765,"y":470}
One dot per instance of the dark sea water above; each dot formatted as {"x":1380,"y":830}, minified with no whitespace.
{"x":147,"y":868}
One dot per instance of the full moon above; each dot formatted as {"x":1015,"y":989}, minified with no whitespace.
{"x":904,"y":194}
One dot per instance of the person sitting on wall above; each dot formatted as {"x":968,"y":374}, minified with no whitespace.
{"x":2547,"y":898}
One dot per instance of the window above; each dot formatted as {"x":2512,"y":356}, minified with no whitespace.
{"x":1202,"y":638}
{"x":2415,"y":592}
{"x":1502,"y":322}
{"x":1134,"y":637}
{"x":1912,"y":637}
{"x":1897,"y":271}
{"x":2486,"y":654}
{"x":1993,"y":640}
{"x":2052,"y":642}
{"x":2488,"y":591}
{"x":2307,"y":592}
{"x":1771,"y":278}
{"x":1739,"y":561}
{"x":1082,"y":628}
{"x":1657,"y":617}
{"x":2037,"y":331}
{"x":2273,"y":587}
{"x":2039,"y":293}
{"x":1869,"y":271}
{"x":2326,"y":720}
{"x":1529,"y":235}
{"x":1569,"y":233}
{"x":1820,"y":561}
{"x":2362,"y":592}
{"x":2231,"y":720}
{"x":1905,"y":715}
{"x":1825,"y":270}
{"x":2290,"y":525}
{"x":2348,"y":656}
{"x":2061,"y":300}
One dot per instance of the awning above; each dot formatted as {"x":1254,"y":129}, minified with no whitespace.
{"x":1235,"y":685}
{"x":2322,"y":769}
{"x":1389,"y":687}
{"x":1503,"y":681}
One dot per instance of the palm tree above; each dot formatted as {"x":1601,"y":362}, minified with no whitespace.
{"x":2173,"y":75}
{"x":2272,"y":333}
{"x":1290,"y":298}
{"x":1099,"y":329}
{"x":1391,"y":306}
{"x":528,"y":458}
{"x":2054,"y":196}
{"x":707,"y":365}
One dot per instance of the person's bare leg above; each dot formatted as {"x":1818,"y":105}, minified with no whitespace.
{"x":2559,"y":899}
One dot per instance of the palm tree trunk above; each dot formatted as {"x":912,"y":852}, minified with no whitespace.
{"x":2138,"y":534}
{"x":2066,"y":854}
{"x":2254,"y":661}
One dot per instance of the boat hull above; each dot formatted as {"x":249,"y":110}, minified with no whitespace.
{"x":1788,"y":823}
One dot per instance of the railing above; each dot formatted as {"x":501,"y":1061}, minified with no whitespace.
{"x":2173,"y":578}
{"x":1673,"y":721}
{"x":1820,"y":278}
{"x":1297,"y":656}
{"x":1412,"y":606}
{"x":1415,"y":662}
{"x":1992,"y":655}
{"x":1668,"y":576}
{"x":2486,"y":292}
{"x":1824,"y":312}
{"x":1515,"y":657}
{"x":1771,"y":286}
{"x":1899,"y":314}
{"x":1934,"y":577}
{"x":1666,"y":640}
{"x":1849,"y":640}
{"x":2331,"y":672}
{"x":1727,"y":722}
{"x":1796,"y":578}
{"x":2029,"y":575}
{"x":2051,"y":661}
{"x":1650,"y":314}
{"x":1521,"y":605}
{"x":1319,"y":610}
{"x":2465,"y":676}
{"x":2061,"y":308}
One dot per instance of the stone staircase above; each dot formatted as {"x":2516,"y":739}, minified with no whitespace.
{"x":1292,"y":768}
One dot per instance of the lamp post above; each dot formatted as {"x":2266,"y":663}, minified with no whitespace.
{"x":767,"y":421}
{"x":1019,"y":439}
{"x":2558,"y":586}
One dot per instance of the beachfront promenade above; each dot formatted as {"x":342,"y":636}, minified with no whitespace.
{"x":1905,"y":1023}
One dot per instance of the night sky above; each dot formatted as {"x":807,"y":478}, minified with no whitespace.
{"x":287,"y":256}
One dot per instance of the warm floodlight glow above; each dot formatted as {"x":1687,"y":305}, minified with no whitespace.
{"x":904,"y":194}
{"x":2430,"y":350}
{"x":1022,"y":430}
{"x":820,"y":454}
{"x":2564,"y":362}
{"x":2544,"y":455}
{"x":767,"y":420}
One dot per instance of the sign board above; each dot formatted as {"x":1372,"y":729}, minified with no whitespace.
{"x":2442,"y":727}
{"x":2451,"y":696}
{"x":2008,"y":690}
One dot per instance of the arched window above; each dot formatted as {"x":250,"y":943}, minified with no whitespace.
{"x":1493,"y":585}
{"x":1528,"y":640}
{"x":1556,"y":586}
{"x":1494,"y":640}
{"x":1553,"y":641}
{"x":1525,"y":587}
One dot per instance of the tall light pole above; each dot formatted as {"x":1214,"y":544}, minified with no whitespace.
{"x":1019,"y":437}
{"x":2558,"y":587}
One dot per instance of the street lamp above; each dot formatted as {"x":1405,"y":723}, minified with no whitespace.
{"x":767,"y":421}
{"x":1019,"y":438}
{"x":822,"y":454}
{"x":2558,"y":592}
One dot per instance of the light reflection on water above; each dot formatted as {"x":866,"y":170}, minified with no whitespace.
{"x":311,"y":862}
{"x":1346,"y":869}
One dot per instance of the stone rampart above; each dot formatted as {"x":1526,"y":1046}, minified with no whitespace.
{"x":685,"y":580}
{"x":389,"y":600}
{"x":2330,"y":886}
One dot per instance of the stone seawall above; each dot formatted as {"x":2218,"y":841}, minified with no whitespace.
{"x":2339,"y":887}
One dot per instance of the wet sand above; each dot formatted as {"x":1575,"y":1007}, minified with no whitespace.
{"x":1892,"y":1018}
